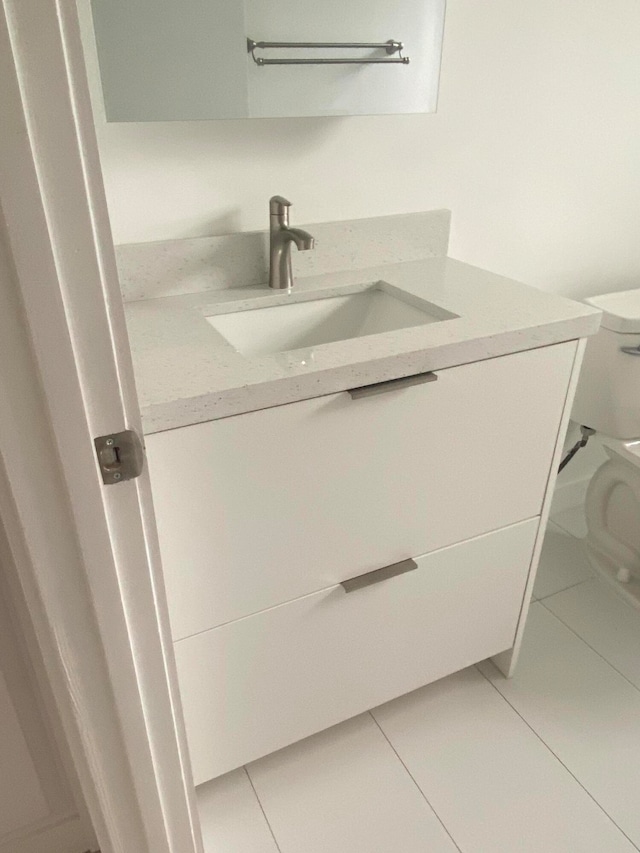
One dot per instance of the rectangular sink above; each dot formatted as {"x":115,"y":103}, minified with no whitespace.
{"x":304,"y":324}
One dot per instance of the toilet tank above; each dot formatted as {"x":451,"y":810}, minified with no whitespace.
{"x":608,"y":395}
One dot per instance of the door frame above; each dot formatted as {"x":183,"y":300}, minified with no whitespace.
{"x":85,"y":555}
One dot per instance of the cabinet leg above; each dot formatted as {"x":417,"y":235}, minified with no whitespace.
{"x":506,"y":662}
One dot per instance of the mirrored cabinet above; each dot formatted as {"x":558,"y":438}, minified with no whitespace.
{"x":181,"y":60}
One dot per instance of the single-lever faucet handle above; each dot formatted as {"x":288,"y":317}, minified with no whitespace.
{"x":279,"y":206}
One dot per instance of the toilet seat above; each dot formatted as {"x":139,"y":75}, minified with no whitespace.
{"x":618,"y":560}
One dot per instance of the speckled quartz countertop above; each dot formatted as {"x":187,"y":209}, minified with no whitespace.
{"x":186,"y":372}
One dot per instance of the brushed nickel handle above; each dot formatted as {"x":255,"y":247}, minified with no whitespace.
{"x":391,"y":385}
{"x":278,"y":205}
{"x":631,"y":350}
{"x":378,"y":575}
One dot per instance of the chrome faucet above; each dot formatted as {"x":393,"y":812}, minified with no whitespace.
{"x":281,"y":238}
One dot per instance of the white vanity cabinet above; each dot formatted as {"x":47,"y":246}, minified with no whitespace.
{"x":263,"y":515}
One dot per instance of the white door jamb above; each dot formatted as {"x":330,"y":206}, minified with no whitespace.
{"x":86,"y":553}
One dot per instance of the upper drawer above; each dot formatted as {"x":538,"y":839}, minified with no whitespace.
{"x":262,"y":508}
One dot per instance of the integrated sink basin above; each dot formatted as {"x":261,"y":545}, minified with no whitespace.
{"x":309,"y":322}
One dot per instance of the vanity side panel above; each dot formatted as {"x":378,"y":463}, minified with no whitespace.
{"x":507,"y":661}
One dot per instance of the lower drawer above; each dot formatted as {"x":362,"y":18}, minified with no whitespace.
{"x":255,"y":685}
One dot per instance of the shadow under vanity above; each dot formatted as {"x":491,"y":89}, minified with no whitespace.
{"x":281,"y":471}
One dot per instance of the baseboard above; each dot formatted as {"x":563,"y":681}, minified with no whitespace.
{"x":569,"y":495}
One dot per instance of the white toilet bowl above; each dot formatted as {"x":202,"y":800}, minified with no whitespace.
{"x":608,"y":399}
{"x":612,"y":509}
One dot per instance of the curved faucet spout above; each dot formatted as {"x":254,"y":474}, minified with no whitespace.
{"x":303,"y":240}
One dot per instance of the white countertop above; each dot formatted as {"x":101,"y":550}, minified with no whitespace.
{"x":186,"y":372}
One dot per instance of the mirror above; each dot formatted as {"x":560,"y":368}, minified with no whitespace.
{"x":181,"y":60}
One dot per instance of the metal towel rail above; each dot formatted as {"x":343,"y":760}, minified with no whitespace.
{"x":391,"y":47}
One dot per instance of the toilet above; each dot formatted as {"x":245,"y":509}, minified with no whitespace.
{"x":608,"y":400}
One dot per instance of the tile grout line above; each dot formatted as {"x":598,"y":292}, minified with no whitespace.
{"x":564,"y":589}
{"x":551,"y":522}
{"x":553,"y":516}
{"x":264,"y":814}
{"x":559,"y":527}
{"x":411,"y":776}
{"x":558,"y":759}
{"x":566,"y":530}
{"x":589,"y":646}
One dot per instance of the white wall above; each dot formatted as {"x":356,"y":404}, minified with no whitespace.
{"x":38,"y":791}
{"x":37,"y":809}
{"x":535,"y":148}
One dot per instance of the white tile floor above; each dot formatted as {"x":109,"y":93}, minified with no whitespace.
{"x":548,"y":762}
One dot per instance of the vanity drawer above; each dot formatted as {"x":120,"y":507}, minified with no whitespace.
{"x":258,"y":684}
{"x":262,"y":508}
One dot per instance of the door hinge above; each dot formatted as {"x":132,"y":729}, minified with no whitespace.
{"x":120,"y":456}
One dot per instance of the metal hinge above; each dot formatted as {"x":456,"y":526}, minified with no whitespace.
{"x":120,"y":456}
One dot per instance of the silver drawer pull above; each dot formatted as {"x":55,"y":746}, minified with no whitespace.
{"x":378,"y":575}
{"x":631,"y":350}
{"x":391,"y":385}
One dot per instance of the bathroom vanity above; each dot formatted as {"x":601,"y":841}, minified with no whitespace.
{"x":350,"y":498}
